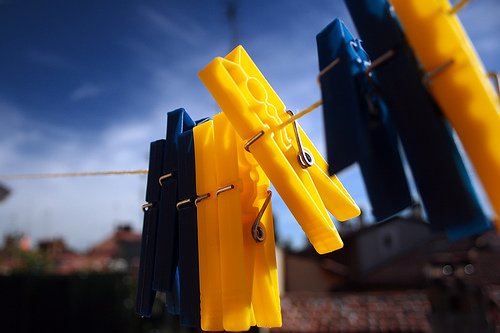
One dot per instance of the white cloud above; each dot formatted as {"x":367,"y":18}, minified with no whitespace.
{"x":188,"y":31}
{"x":85,"y":91}
{"x":83,"y":210}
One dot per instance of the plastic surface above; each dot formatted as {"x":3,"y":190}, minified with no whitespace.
{"x":208,"y":229}
{"x":145,"y":293}
{"x":238,"y":276}
{"x":357,"y":124}
{"x":189,"y":293}
{"x":445,"y":188}
{"x":167,"y":241}
{"x":172,"y":298}
{"x":253,"y":185}
{"x":251,"y":105}
{"x":462,"y":88}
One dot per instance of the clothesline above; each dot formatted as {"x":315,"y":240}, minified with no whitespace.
{"x":70,"y":174}
{"x":27,"y":176}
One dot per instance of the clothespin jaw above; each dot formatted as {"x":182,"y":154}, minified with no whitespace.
{"x":459,"y":83}
{"x":167,"y":254}
{"x":145,"y":293}
{"x":254,"y":109}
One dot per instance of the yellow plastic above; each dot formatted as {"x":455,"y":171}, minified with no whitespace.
{"x":236,"y":292}
{"x":252,"y":106}
{"x":208,"y":229}
{"x":260,"y":256}
{"x":462,"y":89}
{"x":238,"y":276}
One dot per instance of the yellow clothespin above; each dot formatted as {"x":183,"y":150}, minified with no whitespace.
{"x":235,"y":271}
{"x":458,"y":81}
{"x":258,"y":229}
{"x":256,"y":113}
{"x":208,"y":229}
{"x":238,"y":276}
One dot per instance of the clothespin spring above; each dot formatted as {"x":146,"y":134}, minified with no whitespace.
{"x":224,"y":189}
{"x":496,"y":81}
{"x":196,"y":201}
{"x":257,"y":231}
{"x":252,"y":140}
{"x":165,"y":177}
{"x":304,"y":157}
{"x":147,"y":206}
{"x":427,"y":79}
{"x":202,"y":197}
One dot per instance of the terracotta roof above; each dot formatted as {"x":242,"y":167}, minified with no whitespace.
{"x":390,"y":311}
{"x":111,"y":246}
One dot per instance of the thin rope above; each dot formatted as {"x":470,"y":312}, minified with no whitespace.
{"x":296,"y":116}
{"x":458,"y":6}
{"x":70,"y":174}
{"x":328,"y":68}
{"x":21,"y":176}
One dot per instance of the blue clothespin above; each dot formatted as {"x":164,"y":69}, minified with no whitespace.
{"x":357,"y":123}
{"x":167,"y":242}
{"x":189,"y":292}
{"x":447,"y":193}
{"x":172,"y":298}
{"x":145,"y":292}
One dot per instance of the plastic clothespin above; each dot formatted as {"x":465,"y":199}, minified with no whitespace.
{"x":256,"y":212}
{"x":255,"y":110}
{"x":251,"y":192}
{"x":189,"y":289}
{"x":208,"y":229}
{"x":459,"y":83}
{"x":440,"y":176}
{"x":145,"y":292}
{"x":238,"y":276}
{"x":167,"y":241}
{"x":357,"y":125}
{"x":237,"y":254}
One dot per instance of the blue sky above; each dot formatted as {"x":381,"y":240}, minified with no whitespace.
{"x":85,"y":86}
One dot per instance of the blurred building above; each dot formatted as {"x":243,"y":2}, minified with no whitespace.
{"x":395,"y":276}
{"x":117,"y":253}
{"x":52,"y":288}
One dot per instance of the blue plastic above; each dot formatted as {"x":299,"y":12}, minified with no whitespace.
{"x":442,"y":181}
{"x":172,"y":298}
{"x":167,"y":241}
{"x":357,"y":125}
{"x":189,"y":301}
{"x":145,"y":292}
